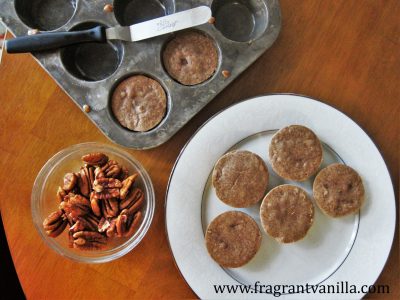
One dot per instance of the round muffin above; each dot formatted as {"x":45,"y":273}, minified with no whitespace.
{"x":287,"y":213}
{"x":240,"y":178}
{"x":338,"y":190}
{"x":295,"y":153}
{"x":139,"y":103}
{"x":191,"y":57}
{"x":233,"y":239}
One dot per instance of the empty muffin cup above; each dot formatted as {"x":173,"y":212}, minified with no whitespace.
{"x":240,"y":20}
{"x":128,"y":12}
{"x":190,"y":57}
{"x":92,"y":61}
{"x":139,"y":103}
{"x":45,"y":15}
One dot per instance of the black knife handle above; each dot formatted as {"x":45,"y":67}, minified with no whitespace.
{"x":54,"y":40}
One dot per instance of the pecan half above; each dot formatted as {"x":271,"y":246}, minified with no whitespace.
{"x":126,"y":185}
{"x":89,"y":240}
{"x":126,"y":224}
{"x":93,"y":220}
{"x":110,"y":169}
{"x":87,"y":174}
{"x":112,"y":230}
{"x":91,"y":176}
{"x":110,"y":208}
{"x":83,"y":182}
{"x":107,"y":194}
{"x":88,"y":222}
{"x":55,"y":223}
{"x":101,"y":184}
{"x":135,"y":197}
{"x":61,"y":194}
{"x":98,"y":173}
{"x":95,"y":204}
{"x":70,"y":180}
{"x":133,"y":226}
{"x":124,"y":173}
{"x":78,"y":226}
{"x":95,"y":159}
{"x":104,"y":224}
{"x":76,"y":206}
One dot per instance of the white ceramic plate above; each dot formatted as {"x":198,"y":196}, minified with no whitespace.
{"x":352,"y":249}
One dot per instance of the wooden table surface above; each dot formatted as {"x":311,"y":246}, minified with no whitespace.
{"x":345,"y":53}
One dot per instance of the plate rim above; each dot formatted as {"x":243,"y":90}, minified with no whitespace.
{"x":309,"y":98}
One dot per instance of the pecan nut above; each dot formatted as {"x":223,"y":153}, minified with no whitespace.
{"x":98,"y":173}
{"x":112,"y":231}
{"x":107,"y":194}
{"x":89,"y":240}
{"x":70,"y":180}
{"x":126,"y":185}
{"x":76,"y":206}
{"x":55,"y":223}
{"x":110,"y":169}
{"x":104,"y":224}
{"x":95,"y":204}
{"x":61,"y":194}
{"x":110,"y":208}
{"x":101,"y":184}
{"x":124,"y":173}
{"x":88,"y":222}
{"x":95,"y":159}
{"x":91,"y":176}
{"x":83,"y":183}
{"x":134,"y":198}
{"x":126,"y":224}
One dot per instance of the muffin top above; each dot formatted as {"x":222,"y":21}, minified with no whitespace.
{"x":191,"y":57}
{"x":240,"y":178}
{"x":139,"y":103}
{"x":287,"y":213}
{"x":233,"y":239}
{"x":295,"y":153}
{"x":338,"y":190}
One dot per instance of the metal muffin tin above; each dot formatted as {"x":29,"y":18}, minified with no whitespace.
{"x":244,"y":29}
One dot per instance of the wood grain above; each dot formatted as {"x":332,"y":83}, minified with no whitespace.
{"x":345,"y":53}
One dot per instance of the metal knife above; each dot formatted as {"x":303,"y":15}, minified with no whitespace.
{"x":137,"y":32}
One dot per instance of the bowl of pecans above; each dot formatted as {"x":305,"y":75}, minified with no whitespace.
{"x":92,"y":202}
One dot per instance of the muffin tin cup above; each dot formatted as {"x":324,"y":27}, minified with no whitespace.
{"x":128,"y":12}
{"x":92,"y":84}
{"x":45,"y":15}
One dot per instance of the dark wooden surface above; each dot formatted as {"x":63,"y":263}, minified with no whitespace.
{"x":345,"y":53}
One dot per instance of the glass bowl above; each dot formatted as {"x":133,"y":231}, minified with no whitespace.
{"x":44,"y":201}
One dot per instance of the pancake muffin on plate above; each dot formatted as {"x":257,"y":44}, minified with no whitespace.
{"x":233,"y":239}
{"x":295,"y":153}
{"x":338,"y":190}
{"x":287,"y":213}
{"x":240,"y":178}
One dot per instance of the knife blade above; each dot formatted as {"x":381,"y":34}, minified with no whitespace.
{"x":137,"y":32}
{"x":145,"y":30}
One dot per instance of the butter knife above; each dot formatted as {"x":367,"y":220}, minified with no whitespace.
{"x":137,"y":32}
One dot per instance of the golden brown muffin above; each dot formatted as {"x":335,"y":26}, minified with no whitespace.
{"x":295,"y":153}
{"x":233,"y":239}
{"x":139,"y":103}
{"x":287,"y":213}
{"x":191,"y":57}
{"x":240,"y":178}
{"x":338,"y":190}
